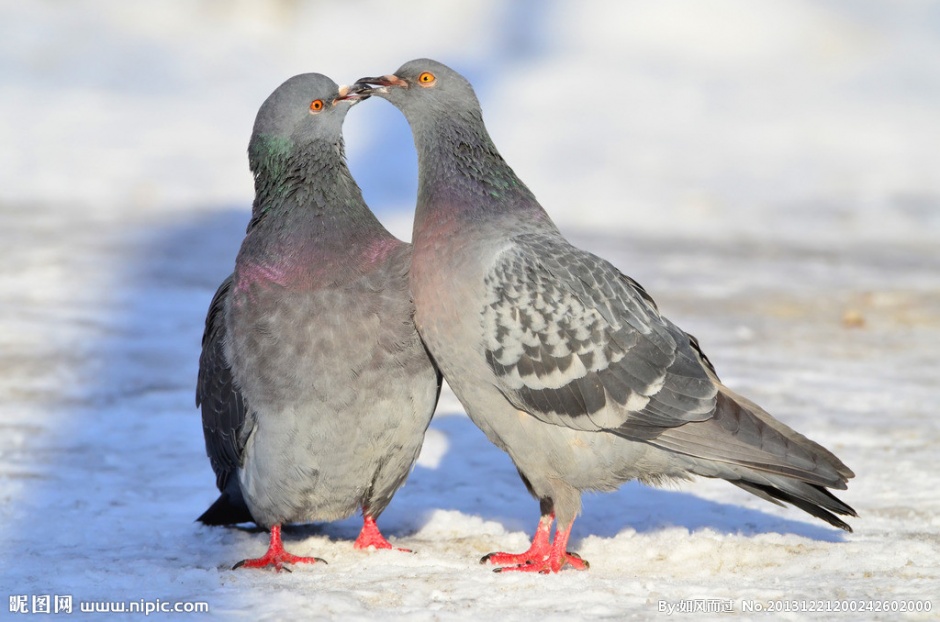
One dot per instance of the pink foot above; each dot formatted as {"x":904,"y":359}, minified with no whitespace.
{"x":371,"y":536}
{"x":276,"y":556}
{"x":537,"y":553}
{"x":540,"y":557}
{"x":549,"y":565}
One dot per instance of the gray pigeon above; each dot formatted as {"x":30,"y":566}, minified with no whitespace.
{"x":563,"y":361}
{"x":315,"y":387}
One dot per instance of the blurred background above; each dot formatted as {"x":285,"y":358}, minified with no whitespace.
{"x":770,"y":171}
{"x":680,"y":117}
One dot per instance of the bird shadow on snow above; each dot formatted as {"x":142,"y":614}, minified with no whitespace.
{"x":461,"y":470}
{"x":476,"y":478}
{"x":121,"y":472}
{"x":129,"y":474}
{"x":132,"y":472}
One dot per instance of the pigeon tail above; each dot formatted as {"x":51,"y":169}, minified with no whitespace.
{"x":743,"y":444}
{"x":814,"y":500}
{"x":229,"y":509}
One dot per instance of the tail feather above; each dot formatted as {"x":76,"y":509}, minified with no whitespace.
{"x":821,"y":511}
{"x":821,"y":455}
{"x":229,"y":509}
{"x":743,"y":444}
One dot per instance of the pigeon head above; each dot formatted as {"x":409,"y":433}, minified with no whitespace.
{"x":305,"y":109}
{"x":459,"y":167}
{"x":421,"y":87}
{"x":296,"y":153}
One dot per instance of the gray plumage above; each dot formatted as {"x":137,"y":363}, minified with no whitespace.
{"x":315,"y":387}
{"x":563,"y":361}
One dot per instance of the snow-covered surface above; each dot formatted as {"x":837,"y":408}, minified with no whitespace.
{"x":767,"y":170}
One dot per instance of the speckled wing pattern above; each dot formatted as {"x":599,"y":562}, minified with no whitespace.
{"x":576,"y":343}
{"x":223,"y":408}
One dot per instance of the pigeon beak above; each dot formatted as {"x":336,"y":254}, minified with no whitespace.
{"x":383,"y":82}
{"x":353,"y":94}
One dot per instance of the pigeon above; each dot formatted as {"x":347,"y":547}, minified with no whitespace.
{"x":315,"y":388}
{"x":563,"y":361}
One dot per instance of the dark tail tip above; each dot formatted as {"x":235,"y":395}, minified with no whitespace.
{"x":226,"y":511}
{"x":812,"y":499}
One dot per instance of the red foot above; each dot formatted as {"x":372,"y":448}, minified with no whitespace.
{"x":371,"y":536}
{"x":549,"y":565}
{"x":541,"y":557}
{"x":537,"y":553}
{"x":276,"y":556}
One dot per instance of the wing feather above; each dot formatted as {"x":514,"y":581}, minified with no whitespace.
{"x":224,"y":409}
{"x":575,"y":342}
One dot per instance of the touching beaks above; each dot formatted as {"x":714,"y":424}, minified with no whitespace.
{"x":383,"y":82}
{"x":353,"y":94}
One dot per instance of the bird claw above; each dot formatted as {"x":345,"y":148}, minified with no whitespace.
{"x":577,"y":562}
{"x":514,"y":559}
{"x":528,"y":566}
{"x":377,"y":543}
{"x":370,"y":536}
{"x":383,"y":548}
{"x":278,"y":561}
{"x":570,"y":559}
{"x":541,"y":566}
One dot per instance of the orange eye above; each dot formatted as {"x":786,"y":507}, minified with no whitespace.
{"x":316,"y":105}
{"x":426,"y":79}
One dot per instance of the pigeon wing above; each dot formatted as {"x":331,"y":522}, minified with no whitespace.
{"x":576,"y":343}
{"x":224,"y":410}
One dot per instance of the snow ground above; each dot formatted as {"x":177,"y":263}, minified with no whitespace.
{"x":766,"y":170}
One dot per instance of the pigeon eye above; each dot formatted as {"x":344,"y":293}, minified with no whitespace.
{"x":316,"y":105}
{"x":426,"y":79}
